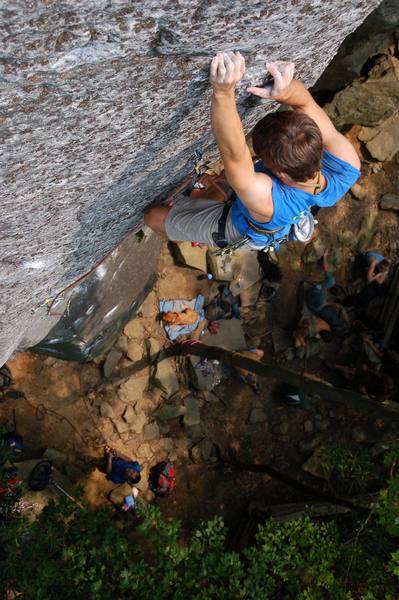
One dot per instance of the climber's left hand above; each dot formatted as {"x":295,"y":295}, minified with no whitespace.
{"x":282,"y":73}
{"x":227,"y":68}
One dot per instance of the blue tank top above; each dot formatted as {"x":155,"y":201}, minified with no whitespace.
{"x":378,"y":257}
{"x":291,"y":204}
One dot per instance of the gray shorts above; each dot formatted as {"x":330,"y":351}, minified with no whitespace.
{"x":195,"y":219}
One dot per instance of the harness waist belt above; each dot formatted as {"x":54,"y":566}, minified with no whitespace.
{"x":258,"y":229}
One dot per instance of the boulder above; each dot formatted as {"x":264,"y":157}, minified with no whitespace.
{"x":194,"y":432}
{"x":182,"y":443}
{"x":154,"y":345}
{"x":167,"y":377}
{"x":111,"y":362}
{"x":390,"y":202}
{"x":189,"y":256}
{"x":137,"y":425}
{"x":169,"y":411}
{"x":144,"y":452}
{"x":192,"y":415}
{"x":167,"y":444}
{"x":117,"y":405}
{"x":164,"y":428}
{"x":149,"y":308}
{"x":142,"y":485}
{"x":383,"y":141}
{"x":151,"y":432}
{"x":246,"y":271}
{"x":134,"y":350}
{"x":230,"y":336}
{"x":207,"y":448}
{"x":134,"y":330}
{"x":121,"y":343}
{"x":369,"y":102}
{"x":129,"y":414}
{"x":57,"y":457}
{"x":221,"y":267}
{"x":132,"y":390}
{"x":371,"y":38}
{"x":120,"y":425}
{"x":106,"y":410}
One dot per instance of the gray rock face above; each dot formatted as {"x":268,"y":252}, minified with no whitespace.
{"x":103,"y":106}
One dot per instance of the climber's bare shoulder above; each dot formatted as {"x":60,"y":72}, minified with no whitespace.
{"x":255,"y":192}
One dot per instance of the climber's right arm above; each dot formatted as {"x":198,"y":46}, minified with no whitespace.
{"x":254,"y":189}
{"x":300,"y":99}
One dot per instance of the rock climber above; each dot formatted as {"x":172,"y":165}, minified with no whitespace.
{"x":304,"y":161}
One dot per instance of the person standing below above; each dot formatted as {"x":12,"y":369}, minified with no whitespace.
{"x":304,"y":161}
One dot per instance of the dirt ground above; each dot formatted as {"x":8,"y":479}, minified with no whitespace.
{"x":60,"y":408}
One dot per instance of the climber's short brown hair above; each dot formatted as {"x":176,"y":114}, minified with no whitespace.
{"x":289,"y":142}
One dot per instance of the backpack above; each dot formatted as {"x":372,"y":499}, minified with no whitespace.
{"x":162,"y":479}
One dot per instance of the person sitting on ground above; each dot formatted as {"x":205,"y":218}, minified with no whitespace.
{"x":304,"y":162}
{"x":123,"y":497}
{"x":377,"y":267}
{"x":318,"y":303}
{"x":367,"y":381}
{"x":311,"y":327}
{"x":121,"y":470}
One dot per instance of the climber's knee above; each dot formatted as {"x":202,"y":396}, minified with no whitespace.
{"x":155,"y":217}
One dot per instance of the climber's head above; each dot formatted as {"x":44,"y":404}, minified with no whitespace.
{"x":289,"y":143}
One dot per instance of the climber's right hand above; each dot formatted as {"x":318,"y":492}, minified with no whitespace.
{"x":227,"y":68}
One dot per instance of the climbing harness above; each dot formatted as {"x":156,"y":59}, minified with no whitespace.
{"x":219,"y":236}
{"x":229,"y":248}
